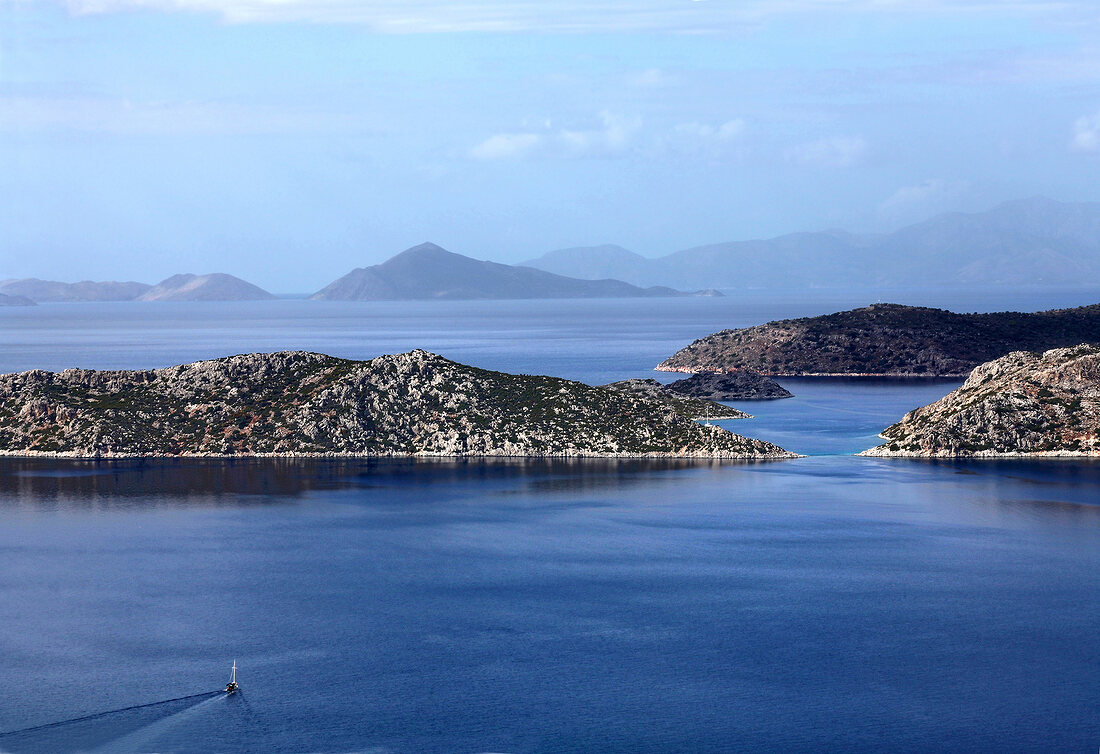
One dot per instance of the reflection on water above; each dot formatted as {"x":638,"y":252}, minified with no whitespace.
{"x":44,"y":483}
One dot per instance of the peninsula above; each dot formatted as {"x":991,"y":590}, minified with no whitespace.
{"x":885,"y":340}
{"x":1021,"y":404}
{"x":298,"y":403}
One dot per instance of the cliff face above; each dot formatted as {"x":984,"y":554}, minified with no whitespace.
{"x":306,"y":403}
{"x":885,"y":340}
{"x":1022,"y":403}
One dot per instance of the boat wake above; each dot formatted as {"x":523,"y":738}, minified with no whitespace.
{"x":88,"y":731}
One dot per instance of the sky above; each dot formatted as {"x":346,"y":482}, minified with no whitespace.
{"x":289,"y":141}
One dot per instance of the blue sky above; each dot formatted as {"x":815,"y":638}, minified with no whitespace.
{"x":288,"y":141}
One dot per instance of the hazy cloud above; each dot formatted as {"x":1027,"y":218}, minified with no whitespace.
{"x":833,"y":152}
{"x":613,"y":136}
{"x":503,"y":146}
{"x":922,"y":198}
{"x":417,"y":16}
{"x":1086,"y":134}
{"x":731,"y":129}
{"x":652,"y":78}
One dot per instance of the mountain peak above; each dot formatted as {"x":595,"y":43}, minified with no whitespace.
{"x":426,"y":249}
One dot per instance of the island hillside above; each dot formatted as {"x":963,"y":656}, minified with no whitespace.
{"x":887,"y":340}
{"x":298,"y":403}
{"x":1020,"y":404}
{"x":216,"y":286}
{"x":430,"y":272}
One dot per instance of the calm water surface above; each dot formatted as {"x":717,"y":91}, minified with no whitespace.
{"x":826,"y":603}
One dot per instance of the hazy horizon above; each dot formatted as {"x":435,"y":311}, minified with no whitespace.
{"x":289,"y":142}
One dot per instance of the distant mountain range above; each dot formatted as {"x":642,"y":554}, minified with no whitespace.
{"x":86,"y":290}
{"x":214,"y":287}
{"x":1033,"y":241}
{"x":1023,"y":242}
{"x":430,"y":272}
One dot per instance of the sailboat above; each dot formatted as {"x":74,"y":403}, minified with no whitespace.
{"x":232,"y":687}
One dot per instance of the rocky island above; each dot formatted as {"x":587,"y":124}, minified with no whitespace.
{"x":730,"y":386}
{"x":1020,"y":404}
{"x":692,"y":408}
{"x":298,"y":403}
{"x":885,"y":340}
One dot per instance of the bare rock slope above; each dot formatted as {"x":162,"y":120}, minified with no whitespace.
{"x":293,"y":403}
{"x":888,"y":340}
{"x":1020,"y":404}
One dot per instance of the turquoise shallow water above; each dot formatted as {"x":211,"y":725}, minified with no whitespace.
{"x":829,"y":603}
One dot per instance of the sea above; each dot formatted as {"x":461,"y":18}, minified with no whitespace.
{"x":826,"y":603}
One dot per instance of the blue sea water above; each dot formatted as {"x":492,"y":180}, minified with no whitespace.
{"x":826,"y":603}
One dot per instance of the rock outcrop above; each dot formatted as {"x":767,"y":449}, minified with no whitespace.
{"x":1020,"y":404}
{"x":297,"y":403}
{"x":692,"y":408}
{"x":885,"y":340}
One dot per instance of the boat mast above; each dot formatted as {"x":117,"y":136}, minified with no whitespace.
{"x":233,"y":674}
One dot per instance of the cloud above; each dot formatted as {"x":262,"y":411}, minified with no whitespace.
{"x":613,"y":136}
{"x":1086,"y":134}
{"x":922,"y":197}
{"x":421,"y":16}
{"x":504,"y":146}
{"x":832,"y":152}
{"x":727,"y":131}
{"x":652,"y":78}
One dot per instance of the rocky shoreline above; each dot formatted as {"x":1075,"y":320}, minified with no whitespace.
{"x":1023,"y":404}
